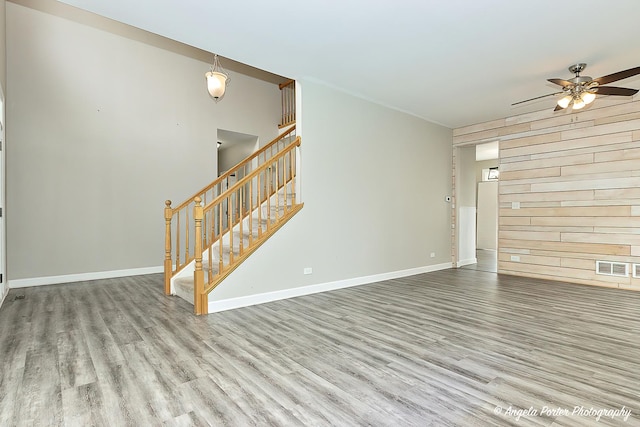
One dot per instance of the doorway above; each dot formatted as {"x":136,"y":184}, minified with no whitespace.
{"x":476,"y":184}
{"x":233,"y":147}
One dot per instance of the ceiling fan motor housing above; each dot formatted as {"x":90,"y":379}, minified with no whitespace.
{"x":581,"y":80}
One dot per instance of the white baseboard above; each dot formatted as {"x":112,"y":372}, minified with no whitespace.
{"x":4,"y":296}
{"x":81,"y":277}
{"x":469,"y":261}
{"x":231,"y":303}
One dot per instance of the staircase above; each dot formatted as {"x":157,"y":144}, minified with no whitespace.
{"x":211,"y":233}
{"x":262,"y":223}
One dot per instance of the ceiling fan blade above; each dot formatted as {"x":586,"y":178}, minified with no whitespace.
{"x":537,"y":97}
{"x":558,"y":108}
{"x":618,"y":76}
{"x":561,"y":82}
{"x":612,"y":90}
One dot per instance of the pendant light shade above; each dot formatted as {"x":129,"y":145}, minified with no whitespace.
{"x":578,"y":103}
{"x":216,"y":84}
{"x":217,"y":80}
{"x":565,"y":101}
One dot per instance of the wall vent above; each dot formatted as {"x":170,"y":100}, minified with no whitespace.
{"x":609,"y":268}
{"x":636,"y":270}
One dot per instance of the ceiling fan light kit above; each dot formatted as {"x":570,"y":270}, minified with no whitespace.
{"x":579,"y":91}
{"x":578,"y":103}
{"x":582,"y":90}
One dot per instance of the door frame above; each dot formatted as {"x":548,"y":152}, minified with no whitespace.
{"x":4,"y":284}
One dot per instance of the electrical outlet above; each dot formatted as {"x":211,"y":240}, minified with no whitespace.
{"x":515,"y":258}
{"x":308,"y":270}
{"x":433,"y":255}
{"x":515,"y":205}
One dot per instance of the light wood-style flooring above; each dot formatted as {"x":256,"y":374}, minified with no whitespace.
{"x":487,"y":260}
{"x":449,"y":348}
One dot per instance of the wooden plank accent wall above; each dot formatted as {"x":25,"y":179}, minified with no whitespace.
{"x":576,"y":179}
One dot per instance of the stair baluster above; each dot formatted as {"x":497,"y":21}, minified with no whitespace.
{"x":168,"y":214}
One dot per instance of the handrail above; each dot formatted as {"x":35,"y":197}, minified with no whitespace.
{"x":287,"y":83}
{"x":246,"y":179}
{"x":237,"y":167}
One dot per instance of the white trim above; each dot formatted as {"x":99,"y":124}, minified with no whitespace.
{"x":81,"y":277}
{"x":4,"y":297}
{"x":469,"y":261}
{"x":231,"y":303}
{"x":4,"y":287}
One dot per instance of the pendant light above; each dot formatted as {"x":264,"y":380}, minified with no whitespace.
{"x":217,"y":80}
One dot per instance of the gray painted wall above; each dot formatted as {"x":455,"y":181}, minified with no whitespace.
{"x":487,"y":228}
{"x":3,"y":46}
{"x":374,"y":182}
{"x":118,"y":126}
{"x":101,"y":130}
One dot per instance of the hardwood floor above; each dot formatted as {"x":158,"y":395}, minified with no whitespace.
{"x":487,"y":260}
{"x":449,"y":348}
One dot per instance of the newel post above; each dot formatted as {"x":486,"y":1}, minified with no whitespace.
{"x":168,"y":265}
{"x":198,"y":274}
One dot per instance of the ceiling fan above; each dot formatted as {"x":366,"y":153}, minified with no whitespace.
{"x":582,"y":90}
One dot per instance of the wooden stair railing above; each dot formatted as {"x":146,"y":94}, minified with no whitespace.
{"x":180,"y":230}
{"x":241,"y":219}
{"x":288,"y":100}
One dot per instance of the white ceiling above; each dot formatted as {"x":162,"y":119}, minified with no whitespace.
{"x":454,"y":62}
